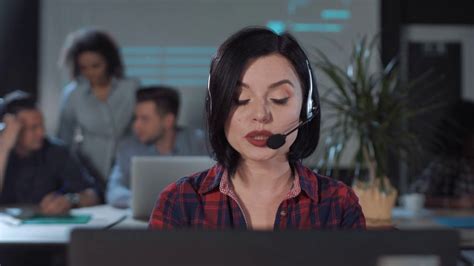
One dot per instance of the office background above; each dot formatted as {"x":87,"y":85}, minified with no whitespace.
{"x":171,"y":42}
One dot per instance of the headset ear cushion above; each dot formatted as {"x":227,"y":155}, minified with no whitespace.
{"x":209,"y":98}
{"x":309,"y":107}
{"x":309,"y":101}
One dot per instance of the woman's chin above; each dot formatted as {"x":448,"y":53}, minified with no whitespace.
{"x":262,"y":155}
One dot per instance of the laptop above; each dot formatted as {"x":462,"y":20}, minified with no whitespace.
{"x":151,"y":174}
{"x":237,"y":248}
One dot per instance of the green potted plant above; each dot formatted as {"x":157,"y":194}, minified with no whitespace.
{"x":371,"y":105}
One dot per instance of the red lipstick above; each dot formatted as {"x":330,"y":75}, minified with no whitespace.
{"x":258,"y":138}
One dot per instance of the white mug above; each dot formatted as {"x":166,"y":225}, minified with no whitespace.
{"x":413,"y":201}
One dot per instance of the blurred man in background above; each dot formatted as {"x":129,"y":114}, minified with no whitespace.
{"x":155,"y":133}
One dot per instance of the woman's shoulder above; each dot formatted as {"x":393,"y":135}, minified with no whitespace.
{"x":325,"y":186}
{"x":332,"y":192}
{"x":71,"y":92}
{"x":72,"y":87}
{"x":333,"y":187}
{"x":128,"y":83}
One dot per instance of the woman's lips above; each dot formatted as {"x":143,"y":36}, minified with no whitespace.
{"x":258,"y":138}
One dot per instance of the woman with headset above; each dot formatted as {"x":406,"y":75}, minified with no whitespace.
{"x":263,"y":118}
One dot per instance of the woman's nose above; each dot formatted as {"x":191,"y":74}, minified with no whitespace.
{"x":262,"y":112}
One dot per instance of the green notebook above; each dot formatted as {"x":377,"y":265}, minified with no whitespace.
{"x":67,"y":219}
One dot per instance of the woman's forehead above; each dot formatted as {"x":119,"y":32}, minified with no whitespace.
{"x":270,"y":71}
{"x":269,"y":66}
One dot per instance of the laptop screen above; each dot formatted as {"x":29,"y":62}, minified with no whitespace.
{"x":151,"y":174}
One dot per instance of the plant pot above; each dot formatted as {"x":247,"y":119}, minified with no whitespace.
{"x":377,"y":200}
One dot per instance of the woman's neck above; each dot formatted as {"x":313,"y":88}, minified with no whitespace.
{"x":269,"y":176}
{"x":101,"y":83}
{"x":101,"y":89}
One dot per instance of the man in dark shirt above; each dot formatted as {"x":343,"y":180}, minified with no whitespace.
{"x":35,"y":169}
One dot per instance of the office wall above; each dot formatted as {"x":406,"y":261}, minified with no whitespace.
{"x":18,"y":45}
{"x":171,"y":42}
{"x":445,"y":34}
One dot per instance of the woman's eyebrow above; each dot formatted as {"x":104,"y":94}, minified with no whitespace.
{"x":281,"y":82}
{"x":242,"y":84}
{"x":273,"y":85}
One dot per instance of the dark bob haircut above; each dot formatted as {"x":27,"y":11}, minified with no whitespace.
{"x":166,"y":99}
{"x":226,"y":70}
{"x":91,"y":40}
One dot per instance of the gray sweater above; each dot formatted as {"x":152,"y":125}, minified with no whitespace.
{"x":93,"y":127}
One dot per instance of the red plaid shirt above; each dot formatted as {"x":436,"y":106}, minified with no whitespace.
{"x":206,"y":200}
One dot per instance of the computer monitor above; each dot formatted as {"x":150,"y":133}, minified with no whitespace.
{"x":237,"y":248}
{"x":151,"y":174}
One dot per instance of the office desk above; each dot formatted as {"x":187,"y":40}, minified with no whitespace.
{"x":131,"y":223}
{"x":403,"y":220}
{"x":426,"y":219}
{"x":46,"y":244}
{"x":103,"y":216}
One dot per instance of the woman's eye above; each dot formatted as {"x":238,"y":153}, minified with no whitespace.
{"x":280,"y":101}
{"x":241,"y":101}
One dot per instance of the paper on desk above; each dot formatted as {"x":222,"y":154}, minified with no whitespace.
{"x":102,"y":215}
{"x":8,"y":219}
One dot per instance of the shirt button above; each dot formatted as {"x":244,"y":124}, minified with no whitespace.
{"x":283,"y":213}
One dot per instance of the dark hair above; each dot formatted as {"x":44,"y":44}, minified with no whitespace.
{"x":91,"y":40}
{"x":15,"y":102}
{"x":226,"y":70}
{"x":166,"y":99}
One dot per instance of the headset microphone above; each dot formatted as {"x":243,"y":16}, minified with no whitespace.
{"x":275,"y":141}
